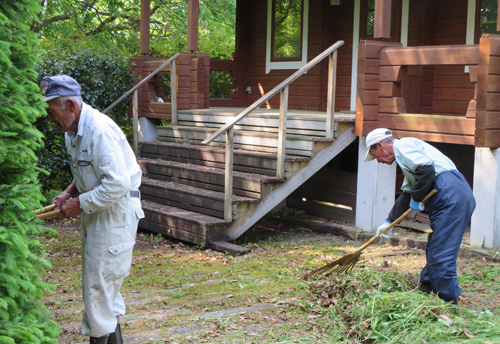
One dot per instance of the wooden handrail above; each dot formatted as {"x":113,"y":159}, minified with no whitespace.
{"x":274,"y":91}
{"x":140,"y":83}
{"x":443,"y":55}
{"x":283,"y":90}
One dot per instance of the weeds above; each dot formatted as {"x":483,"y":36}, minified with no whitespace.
{"x":376,"y":306}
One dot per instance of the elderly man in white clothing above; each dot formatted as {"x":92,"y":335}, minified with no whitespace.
{"x":105,"y":191}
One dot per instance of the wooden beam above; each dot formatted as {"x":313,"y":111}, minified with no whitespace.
{"x":228,"y":179}
{"x":457,"y":125}
{"x":382,"y":19}
{"x":193,"y":18}
{"x":435,"y":137}
{"x":280,"y":170}
{"x":145,"y":18}
{"x":498,"y":17}
{"x":430,"y":55}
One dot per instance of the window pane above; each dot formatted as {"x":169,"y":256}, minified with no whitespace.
{"x":488,"y":21}
{"x":287,"y":29}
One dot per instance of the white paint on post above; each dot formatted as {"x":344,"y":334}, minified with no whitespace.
{"x":173,"y":91}
{"x":330,"y":101}
{"x":376,"y":191}
{"x":405,"y":16}
{"x":355,"y":43}
{"x":280,"y":169}
{"x":485,"y":224}
{"x":135,"y":116}
{"x":471,"y":25}
{"x":228,"y":189}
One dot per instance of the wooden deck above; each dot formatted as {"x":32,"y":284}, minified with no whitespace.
{"x":184,"y":180}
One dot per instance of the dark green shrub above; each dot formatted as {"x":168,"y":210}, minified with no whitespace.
{"x":23,"y":317}
{"x":221,"y":84}
{"x":103,"y":78}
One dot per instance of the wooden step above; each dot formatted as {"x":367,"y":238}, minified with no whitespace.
{"x":244,"y":184}
{"x":297,"y":125}
{"x":262,"y":120}
{"x":182,"y":224}
{"x":191,"y":198}
{"x":243,"y":161}
{"x":247,"y":140}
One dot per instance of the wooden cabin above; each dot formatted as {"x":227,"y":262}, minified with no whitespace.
{"x":426,"y":69}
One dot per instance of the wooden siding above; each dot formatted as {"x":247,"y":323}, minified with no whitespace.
{"x":327,"y":24}
{"x":192,"y":84}
{"x":488,"y":89}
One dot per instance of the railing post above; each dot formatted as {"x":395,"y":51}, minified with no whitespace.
{"x":280,"y":168}
{"x":135,"y":115}
{"x":228,"y":189}
{"x":173,"y":91}
{"x":330,"y":103}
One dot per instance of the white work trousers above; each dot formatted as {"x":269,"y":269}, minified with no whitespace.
{"x":108,"y":238}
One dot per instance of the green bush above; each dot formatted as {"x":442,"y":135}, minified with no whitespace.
{"x":103,"y":78}
{"x":23,"y":317}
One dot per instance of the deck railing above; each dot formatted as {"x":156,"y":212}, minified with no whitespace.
{"x":282,"y":89}
{"x":135,"y":101}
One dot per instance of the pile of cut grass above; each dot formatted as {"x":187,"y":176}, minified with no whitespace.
{"x":384,"y":306}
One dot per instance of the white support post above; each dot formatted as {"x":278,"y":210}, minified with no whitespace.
{"x":228,"y":188}
{"x":135,"y":115}
{"x":173,"y":91}
{"x":147,"y":130}
{"x":330,"y":92}
{"x":485,"y":223}
{"x":376,"y":191}
{"x":280,"y":169}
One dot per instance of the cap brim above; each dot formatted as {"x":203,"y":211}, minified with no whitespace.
{"x":369,"y":156}
{"x":46,"y":99}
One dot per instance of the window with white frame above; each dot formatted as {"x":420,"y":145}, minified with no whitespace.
{"x":286,"y":44}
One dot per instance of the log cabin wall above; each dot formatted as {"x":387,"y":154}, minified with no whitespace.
{"x":193,"y":78}
{"x":452,"y":87}
{"x":327,"y":24}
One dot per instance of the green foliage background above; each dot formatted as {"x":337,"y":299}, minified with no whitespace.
{"x":93,"y":41}
{"x":23,"y":318}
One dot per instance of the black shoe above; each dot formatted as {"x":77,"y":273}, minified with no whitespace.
{"x":425,"y":287}
{"x":116,"y":337}
{"x":99,"y":340}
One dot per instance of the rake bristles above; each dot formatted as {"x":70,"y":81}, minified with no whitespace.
{"x":341,"y":265}
{"x":346,"y":263}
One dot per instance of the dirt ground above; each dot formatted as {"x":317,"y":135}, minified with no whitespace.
{"x":180,"y":293}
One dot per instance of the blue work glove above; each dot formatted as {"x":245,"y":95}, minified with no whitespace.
{"x":416,"y":206}
{"x":382,"y":226}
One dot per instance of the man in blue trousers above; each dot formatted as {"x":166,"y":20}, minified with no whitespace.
{"x":450,"y":209}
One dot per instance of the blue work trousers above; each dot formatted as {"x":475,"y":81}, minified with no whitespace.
{"x":450,"y":211}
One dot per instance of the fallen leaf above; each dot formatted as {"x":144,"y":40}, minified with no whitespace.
{"x":446,"y":318}
{"x":467,"y":333}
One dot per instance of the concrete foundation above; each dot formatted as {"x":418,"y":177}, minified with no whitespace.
{"x":375,"y":191}
{"x":147,"y":130}
{"x":485,"y":224}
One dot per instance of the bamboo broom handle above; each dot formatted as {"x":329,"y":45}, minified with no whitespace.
{"x":49,"y":214}
{"x":45,"y":209}
{"x":397,"y":221}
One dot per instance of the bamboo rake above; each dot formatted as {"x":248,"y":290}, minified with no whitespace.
{"x":346,"y":263}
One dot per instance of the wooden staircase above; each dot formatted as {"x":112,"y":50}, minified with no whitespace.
{"x":183,"y":184}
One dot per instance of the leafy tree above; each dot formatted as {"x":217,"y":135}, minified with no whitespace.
{"x":23,"y":318}
{"x":94,"y":24}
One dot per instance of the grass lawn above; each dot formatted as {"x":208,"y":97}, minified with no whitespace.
{"x":178,"y":293}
